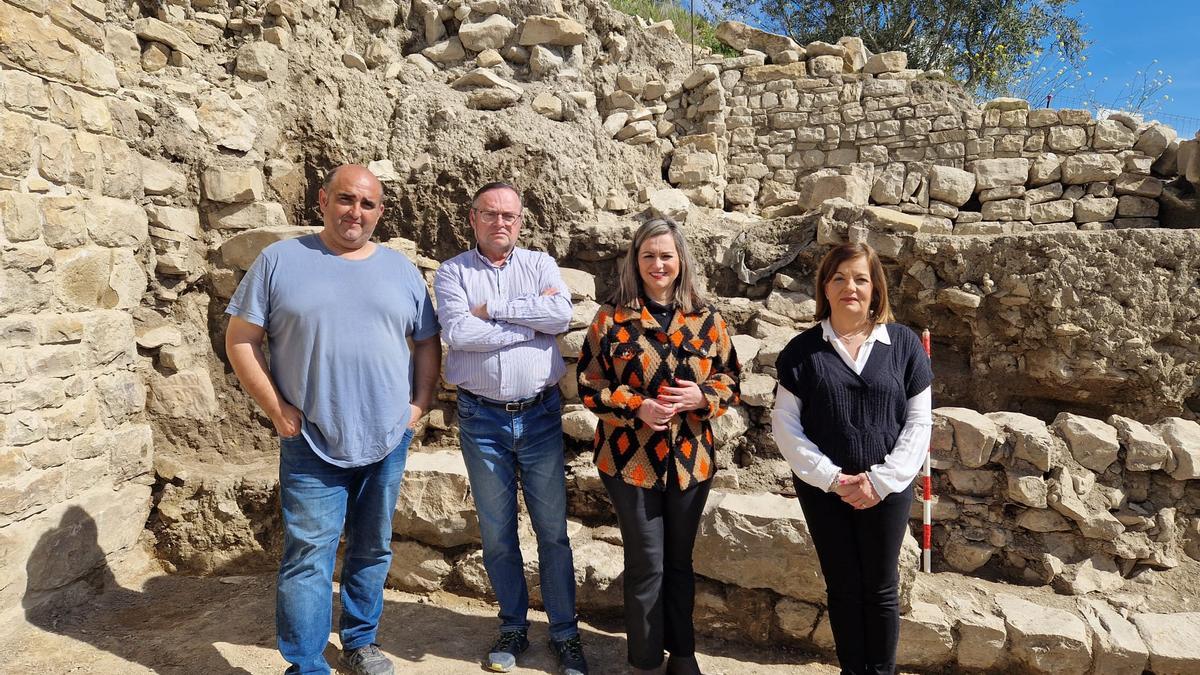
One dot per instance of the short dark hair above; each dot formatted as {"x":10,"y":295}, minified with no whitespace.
{"x":497,"y":185}
{"x":329,"y":176}
{"x":881,"y":309}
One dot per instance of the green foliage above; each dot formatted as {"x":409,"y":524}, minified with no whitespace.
{"x":981,"y":43}
{"x":658,"y":10}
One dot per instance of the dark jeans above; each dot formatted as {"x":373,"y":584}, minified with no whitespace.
{"x":859,"y":553}
{"x":658,"y":530}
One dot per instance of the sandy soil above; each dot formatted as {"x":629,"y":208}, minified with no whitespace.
{"x":150,"y":622}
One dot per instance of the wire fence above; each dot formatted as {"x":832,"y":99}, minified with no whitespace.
{"x":1186,"y":125}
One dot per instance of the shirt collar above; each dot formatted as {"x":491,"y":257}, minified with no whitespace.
{"x":879,"y":332}
{"x":487,"y":261}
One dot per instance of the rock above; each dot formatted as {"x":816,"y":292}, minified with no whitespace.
{"x":381,"y":11}
{"x":256,"y":215}
{"x":981,"y":640}
{"x":582,"y":314}
{"x":746,"y":347}
{"x":967,"y":556}
{"x":447,"y":52}
{"x":926,"y":638}
{"x":1097,"y":573}
{"x":825,"y":66}
{"x":1093,"y":524}
{"x":1058,"y":211}
{"x":758,"y":390}
{"x":1116,"y":644}
{"x":1042,"y":520}
{"x":991,"y":173}
{"x":355,"y":61}
{"x":116,"y":222}
{"x":1046,"y":169}
{"x":240,"y":250}
{"x":98,"y":278}
{"x":160,"y":178}
{"x":887,"y":62}
{"x":818,"y":189}
{"x":482,"y":77}
{"x":796,"y":619}
{"x":157,"y":31}
{"x":741,"y":37}
{"x":879,"y":218}
{"x":552,"y":30}
{"x":580,"y":424}
{"x":975,"y":435}
{"x":435,"y":505}
{"x":730,"y":426}
{"x":1112,"y":135}
{"x":256,"y":60}
{"x":491,"y":33}
{"x":795,"y":306}
{"x":670,"y":203}
{"x":1183,"y":437}
{"x":495,"y":98}
{"x":1092,"y":442}
{"x":232,"y":184}
{"x":759,"y":541}
{"x":1095,"y":209}
{"x":225,"y":123}
{"x":1030,"y":439}
{"x":1173,"y":641}
{"x":1155,"y":140}
{"x":1145,"y":450}
{"x":950,"y":185}
{"x":417,"y":568}
{"x":1044,"y":639}
{"x":187,"y":394}
{"x":1090,"y":167}
{"x":489,"y":58}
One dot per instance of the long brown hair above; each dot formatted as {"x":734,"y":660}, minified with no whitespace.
{"x":881,"y":309}
{"x":689,"y":296}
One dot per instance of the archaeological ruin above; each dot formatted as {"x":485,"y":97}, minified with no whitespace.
{"x":150,"y":149}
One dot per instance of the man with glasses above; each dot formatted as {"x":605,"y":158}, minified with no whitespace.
{"x":500,"y":307}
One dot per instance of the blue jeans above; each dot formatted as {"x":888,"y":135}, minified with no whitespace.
{"x":318,"y":499}
{"x":498,"y":446}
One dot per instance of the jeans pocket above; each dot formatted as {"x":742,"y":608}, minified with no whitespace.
{"x":552,"y":403}
{"x":467,"y":408}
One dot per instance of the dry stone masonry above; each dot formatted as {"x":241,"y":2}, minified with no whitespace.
{"x":149,"y":151}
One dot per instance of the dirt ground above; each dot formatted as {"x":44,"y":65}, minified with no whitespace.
{"x":150,"y":622}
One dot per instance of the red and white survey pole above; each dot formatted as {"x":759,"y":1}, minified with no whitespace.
{"x":927,"y":484}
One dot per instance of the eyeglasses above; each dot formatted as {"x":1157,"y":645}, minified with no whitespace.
{"x":491,"y":217}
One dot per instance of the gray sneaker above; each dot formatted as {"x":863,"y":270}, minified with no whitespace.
{"x":502,"y":655}
{"x":365,"y":661}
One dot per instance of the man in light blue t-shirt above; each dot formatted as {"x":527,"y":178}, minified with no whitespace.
{"x":344,"y":392}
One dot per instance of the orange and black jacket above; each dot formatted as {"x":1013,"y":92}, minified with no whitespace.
{"x":626,"y":358}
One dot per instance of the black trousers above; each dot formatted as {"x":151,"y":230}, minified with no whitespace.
{"x":658,"y":530}
{"x":859,"y":553}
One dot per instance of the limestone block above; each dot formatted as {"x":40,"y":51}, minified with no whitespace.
{"x":182,"y":221}
{"x":991,"y":173}
{"x":824,"y":66}
{"x":116,"y":222}
{"x":256,"y":60}
{"x":1116,"y":644}
{"x":690,"y":168}
{"x":1057,"y":211}
{"x":1046,"y":169}
{"x":974,"y":435}
{"x":1042,"y":117}
{"x":951,"y":185}
{"x":759,"y":541}
{"x":417,"y":568}
{"x":493,"y":98}
{"x":1092,"y":442}
{"x":1140,"y":185}
{"x":1043,"y":520}
{"x":981,"y":640}
{"x":581,"y":283}
{"x":1006,"y":210}
{"x":599,"y":566}
{"x":1090,"y":167}
{"x":382,"y":11}
{"x":240,"y":250}
{"x":877,"y":88}
{"x":583,"y":312}
{"x":16,"y":144}
{"x":1026,"y":486}
{"x":1130,"y":206}
{"x":926,"y":637}
{"x":552,"y":30}
{"x":445,"y":52}
{"x":568,"y":384}
{"x":542,"y":62}
{"x":187,"y":394}
{"x":1044,"y":639}
{"x":855,"y":57}
{"x":1155,"y":140}
{"x":1145,"y":450}
{"x":225,"y":123}
{"x":158,"y":31}
{"x":1066,"y":139}
{"x":1173,"y":641}
{"x":1093,"y":524}
{"x":1112,"y":135}
{"x":232,"y":184}
{"x":796,"y":306}
{"x":482,"y":77}
{"x":1183,"y":436}
{"x":580,"y":424}
{"x":887,"y":62}
{"x":491,"y":33}
{"x":489,"y":58}
{"x":20,"y":216}
{"x":436,"y":507}
{"x":160,"y":178}
{"x":1095,"y":209}
{"x":670,"y":203}
{"x":818,"y":188}
{"x":99,"y":278}
{"x":796,"y":619}
{"x":889,"y":185}
{"x":758,"y":390}
{"x":38,"y":46}
{"x":746,"y":347}
{"x":1044,"y":194}
{"x":730,"y":426}
{"x":1030,"y":439}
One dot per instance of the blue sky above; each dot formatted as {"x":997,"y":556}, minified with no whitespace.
{"x":1126,"y":36}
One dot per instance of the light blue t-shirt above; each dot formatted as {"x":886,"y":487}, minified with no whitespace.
{"x":337,"y":331}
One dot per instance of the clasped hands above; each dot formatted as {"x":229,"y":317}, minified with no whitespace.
{"x":684,"y":396}
{"x":480,"y":311}
{"x":856,"y":490}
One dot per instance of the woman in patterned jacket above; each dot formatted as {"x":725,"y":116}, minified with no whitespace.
{"x":656,"y":367}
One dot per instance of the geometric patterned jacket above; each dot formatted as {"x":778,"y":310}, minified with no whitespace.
{"x":626,"y":358}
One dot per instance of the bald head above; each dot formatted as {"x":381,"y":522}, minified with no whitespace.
{"x":351,"y":203}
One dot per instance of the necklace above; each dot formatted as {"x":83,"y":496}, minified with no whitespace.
{"x":847,"y":336}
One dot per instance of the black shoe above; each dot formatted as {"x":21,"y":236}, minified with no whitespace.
{"x":366,"y":660}
{"x":502,"y":656}
{"x":570,"y":656}
{"x":683,"y":666}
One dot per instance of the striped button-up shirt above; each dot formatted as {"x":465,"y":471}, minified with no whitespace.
{"x":514,"y":354}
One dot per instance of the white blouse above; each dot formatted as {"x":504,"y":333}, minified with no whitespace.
{"x":810,"y":465}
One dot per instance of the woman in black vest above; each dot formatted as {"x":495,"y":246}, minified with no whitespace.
{"x":852,"y":418}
